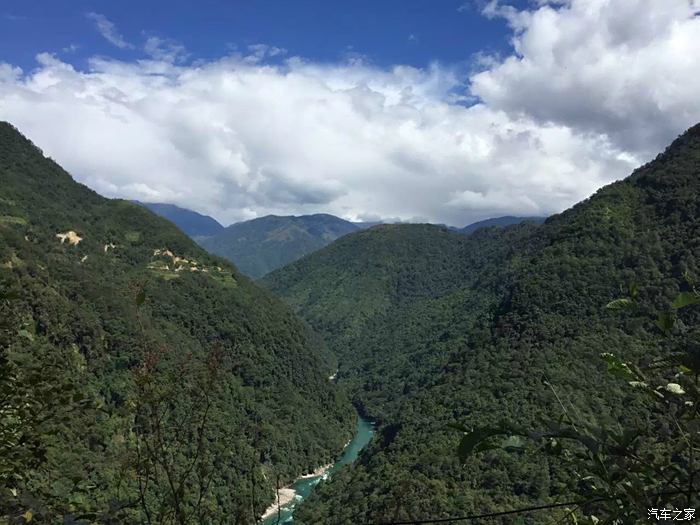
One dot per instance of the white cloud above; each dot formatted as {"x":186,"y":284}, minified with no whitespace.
{"x":582,"y":100}
{"x":109,"y":31}
{"x":164,"y":49}
{"x":627,"y":69}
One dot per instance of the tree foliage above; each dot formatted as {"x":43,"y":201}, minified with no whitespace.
{"x":624,"y":471}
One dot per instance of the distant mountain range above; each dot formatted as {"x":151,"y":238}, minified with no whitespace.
{"x":190,"y":222}
{"x":261,"y":245}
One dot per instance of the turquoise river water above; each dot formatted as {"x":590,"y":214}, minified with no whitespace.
{"x":304,"y":486}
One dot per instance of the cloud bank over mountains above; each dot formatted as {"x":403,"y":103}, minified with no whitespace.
{"x":592,"y":89}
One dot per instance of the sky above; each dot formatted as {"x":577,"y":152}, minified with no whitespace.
{"x":415,"y":110}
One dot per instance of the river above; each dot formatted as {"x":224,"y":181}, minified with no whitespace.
{"x":304,"y":486}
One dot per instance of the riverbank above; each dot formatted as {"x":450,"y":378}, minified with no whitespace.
{"x":286,"y":496}
{"x":291,"y":496}
{"x":320,"y":471}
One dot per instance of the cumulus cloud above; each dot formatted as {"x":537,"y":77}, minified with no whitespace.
{"x":582,"y":100}
{"x":109,"y":31}
{"x":626,"y":69}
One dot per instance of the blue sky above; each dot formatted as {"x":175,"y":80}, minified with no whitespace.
{"x":445,"y":111}
{"x":386,"y":32}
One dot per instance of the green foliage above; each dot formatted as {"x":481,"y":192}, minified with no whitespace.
{"x":625,"y":470}
{"x":685,"y":299}
{"x":110,"y":411}
{"x":622,"y":370}
{"x":665,"y":322}
{"x":620,"y":304}
{"x":504,"y":436}
{"x":9,"y":219}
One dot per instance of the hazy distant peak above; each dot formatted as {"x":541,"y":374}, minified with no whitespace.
{"x":190,"y":222}
{"x":261,"y":245}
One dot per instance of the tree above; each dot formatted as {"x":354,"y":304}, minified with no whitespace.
{"x":173,"y":438}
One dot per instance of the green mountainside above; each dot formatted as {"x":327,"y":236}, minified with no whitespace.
{"x":261,"y":245}
{"x":190,"y":222}
{"x":142,"y":379}
{"x":433,"y":328}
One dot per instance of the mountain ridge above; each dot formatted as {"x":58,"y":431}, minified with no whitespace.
{"x":261,"y":245}
{"x":505,"y":220}
{"x":194,"y":224}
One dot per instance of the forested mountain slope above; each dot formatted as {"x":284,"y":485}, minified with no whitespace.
{"x":261,"y":245}
{"x":486,"y":328}
{"x":364,"y":289}
{"x":142,"y":379}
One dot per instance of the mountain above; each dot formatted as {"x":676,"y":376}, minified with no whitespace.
{"x":192,"y":223}
{"x":261,"y":245}
{"x":142,"y":379}
{"x":433,"y":328}
{"x":367,"y":224}
{"x":499,"y":221}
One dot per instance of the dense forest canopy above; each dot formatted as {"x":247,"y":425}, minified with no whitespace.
{"x":432,"y":328}
{"x":142,"y":379}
